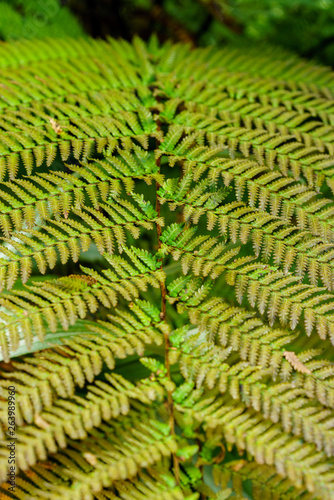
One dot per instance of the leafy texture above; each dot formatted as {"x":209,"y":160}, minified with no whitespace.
{"x":183,"y":200}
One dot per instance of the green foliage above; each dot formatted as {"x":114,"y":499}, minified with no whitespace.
{"x":305,"y":27}
{"x":36,"y":18}
{"x":194,"y":357}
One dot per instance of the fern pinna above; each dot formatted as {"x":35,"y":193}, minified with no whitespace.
{"x":193,"y":358}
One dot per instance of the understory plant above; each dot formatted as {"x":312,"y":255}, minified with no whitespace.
{"x":166,"y":272}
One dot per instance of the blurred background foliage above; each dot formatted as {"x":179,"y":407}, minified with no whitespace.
{"x":36,"y":18}
{"x":302,"y":26}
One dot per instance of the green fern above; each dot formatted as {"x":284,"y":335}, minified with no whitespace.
{"x":183,"y":201}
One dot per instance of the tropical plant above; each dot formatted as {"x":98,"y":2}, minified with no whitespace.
{"x":193,"y":358}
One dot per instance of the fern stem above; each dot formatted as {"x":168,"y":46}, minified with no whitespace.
{"x":170,"y":405}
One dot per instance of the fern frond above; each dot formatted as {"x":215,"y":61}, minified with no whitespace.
{"x":152,"y":485}
{"x":257,"y":344}
{"x":282,"y":242}
{"x":79,"y":359}
{"x":265,"y":441}
{"x":26,"y":313}
{"x":27,"y":202}
{"x":68,"y":238}
{"x":219,"y":159}
{"x":284,"y":403}
{"x":225,"y":101}
{"x":202,"y":254}
{"x":273,"y":236}
{"x":281,"y":196}
{"x":283,"y":297}
{"x":266,"y":483}
{"x":70,"y":473}
{"x":71,"y":418}
{"x":292,"y":156}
